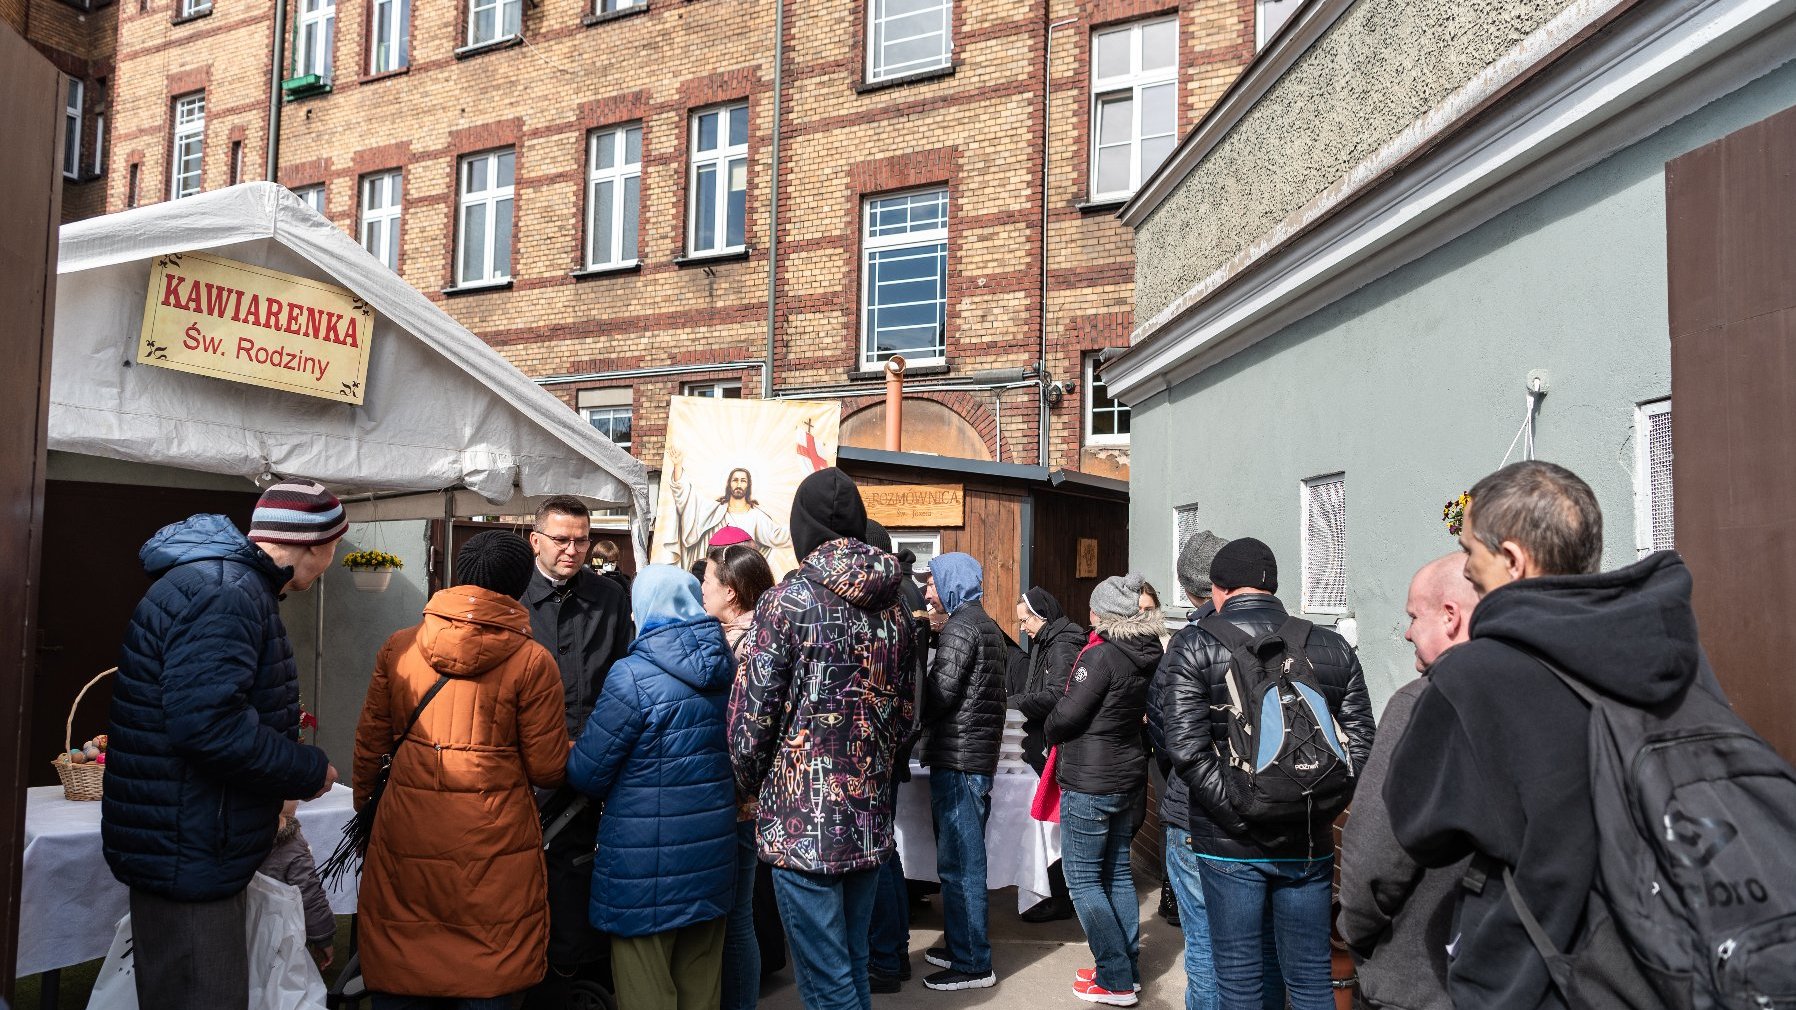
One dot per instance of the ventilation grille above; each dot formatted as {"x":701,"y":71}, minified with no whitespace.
{"x":1184,"y":526}
{"x":1325,"y":544}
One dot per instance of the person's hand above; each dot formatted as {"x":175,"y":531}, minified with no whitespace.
{"x":330,"y":779}
{"x":324,"y":954}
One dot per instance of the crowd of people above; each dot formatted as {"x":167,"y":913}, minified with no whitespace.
{"x":590,"y":779}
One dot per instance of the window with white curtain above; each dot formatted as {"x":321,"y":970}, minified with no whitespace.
{"x":316,"y":37}
{"x":1654,"y":525}
{"x":1134,"y":103}
{"x":908,"y":37}
{"x":1324,"y":538}
{"x":389,"y":36}
{"x":613,"y":195}
{"x":484,"y":236}
{"x":380,"y":216}
{"x":188,"y":146}
{"x":493,"y":20}
{"x":717,"y":211}
{"x":613,"y":6}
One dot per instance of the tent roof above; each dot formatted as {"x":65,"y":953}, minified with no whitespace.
{"x":444,"y":412}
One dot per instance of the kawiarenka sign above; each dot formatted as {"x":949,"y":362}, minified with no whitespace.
{"x":251,"y":324}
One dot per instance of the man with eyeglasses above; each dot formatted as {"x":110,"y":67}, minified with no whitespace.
{"x":582,"y":618}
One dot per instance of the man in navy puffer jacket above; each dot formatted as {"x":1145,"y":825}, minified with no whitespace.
{"x":204,"y":743}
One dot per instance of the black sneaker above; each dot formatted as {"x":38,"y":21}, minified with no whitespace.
{"x":938,"y":956}
{"x":904,"y":970}
{"x":1169,"y":904}
{"x":1048,"y":910}
{"x":880,"y":982}
{"x":948,"y":978}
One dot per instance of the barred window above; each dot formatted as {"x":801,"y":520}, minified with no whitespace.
{"x":1185,"y":525}
{"x":1654,"y":528}
{"x":1325,"y":544}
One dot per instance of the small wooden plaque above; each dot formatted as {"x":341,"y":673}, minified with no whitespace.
{"x":1088,"y":559}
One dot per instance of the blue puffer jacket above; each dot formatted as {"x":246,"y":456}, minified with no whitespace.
{"x":654,"y":752}
{"x":205,"y":719}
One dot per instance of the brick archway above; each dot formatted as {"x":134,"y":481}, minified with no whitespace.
{"x":949,"y":424}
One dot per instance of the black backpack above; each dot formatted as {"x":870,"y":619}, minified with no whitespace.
{"x":1286,"y":761}
{"x":1694,"y":906}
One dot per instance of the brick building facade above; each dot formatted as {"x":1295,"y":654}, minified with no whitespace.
{"x":77,"y":37}
{"x":590,"y":185}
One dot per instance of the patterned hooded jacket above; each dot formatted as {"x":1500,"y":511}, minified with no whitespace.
{"x":821,"y":708}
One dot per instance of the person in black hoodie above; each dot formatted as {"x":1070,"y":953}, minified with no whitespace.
{"x":1054,"y":643}
{"x":1250,"y":867}
{"x":1494,"y":764}
{"x":1094,"y":720}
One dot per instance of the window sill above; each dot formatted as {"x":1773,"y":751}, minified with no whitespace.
{"x":384,"y":75}
{"x":1105,"y":442}
{"x":912,"y":78}
{"x":706,"y":259}
{"x":910,"y":372}
{"x":488,"y":47}
{"x":633,"y":267}
{"x":618,"y":15}
{"x":475,"y":289}
{"x":182,"y":19}
{"x":1100,"y":205}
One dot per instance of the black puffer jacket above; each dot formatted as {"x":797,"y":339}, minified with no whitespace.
{"x":1052,"y":651}
{"x":1193,"y":730}
{"x":1095,"y":721}
{"x":1175,"y":799}
{"x":963,"y":696}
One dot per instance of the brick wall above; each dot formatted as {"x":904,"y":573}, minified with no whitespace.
{"x":80,"y":44}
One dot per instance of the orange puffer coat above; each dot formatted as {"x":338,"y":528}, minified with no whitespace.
{"x":454,"y":899}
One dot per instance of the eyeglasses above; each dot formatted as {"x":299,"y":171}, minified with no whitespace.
{"x":563,"y":543}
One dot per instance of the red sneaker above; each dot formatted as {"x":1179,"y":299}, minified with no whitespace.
{"x":1091,"y":975}
{"x":1091,"y":992}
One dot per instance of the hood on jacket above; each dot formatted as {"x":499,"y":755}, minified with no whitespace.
{"x":865,"y":576}
{"x":1630,"y":633}
{"x":664,"y":594}
{"x":206,"y":538}
{"x":958,"y":579}
{"x":1131,"y":634}
{"x":468,"y":630}
{"x":827,"y":506}
{"x":692,"y":651}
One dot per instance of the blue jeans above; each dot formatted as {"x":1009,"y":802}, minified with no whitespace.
{"x":961,"y":803}
{"x":382,"y":1001}
{"x":1183,"y":872}
{"x":826,"y":921}
{"x":1237,"y":895}
{"x":1094,"y":849}
{"x":741,"y":950}
{"x":888,"y":940}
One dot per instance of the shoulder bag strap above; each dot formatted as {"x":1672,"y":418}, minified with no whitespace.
{"x":442,"y":678}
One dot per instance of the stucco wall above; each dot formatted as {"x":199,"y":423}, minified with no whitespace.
{"x":1414,"y":385}
{"x":1381,"y":66}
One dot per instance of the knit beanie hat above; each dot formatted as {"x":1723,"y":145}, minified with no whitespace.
{"x":1042,"y":604}
{"x":299,"y":513}
{"x":1118,"y":596}
{"x":1194,"y":563}
{"x":498,"y":560}
{"x":1245,"y":564}
{"x":729,"y":536}
{"x":877,"y":536}
{"x":827,"y":506}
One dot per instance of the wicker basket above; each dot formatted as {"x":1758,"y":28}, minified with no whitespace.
{"x":80,"y":781}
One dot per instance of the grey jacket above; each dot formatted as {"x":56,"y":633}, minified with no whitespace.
{"x":1395,"y":916}
{"x":291,"y":863}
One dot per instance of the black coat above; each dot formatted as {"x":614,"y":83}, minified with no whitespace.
{"x":586,"y":626}
{"x":1175,"y":799}
{"x":963,"y":696}
{"x":1095,"y":720}
{"x":1052,"y":651}
{"x":1194,"y":731}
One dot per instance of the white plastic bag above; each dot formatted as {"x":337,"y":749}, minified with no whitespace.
{"x":282,"y":975}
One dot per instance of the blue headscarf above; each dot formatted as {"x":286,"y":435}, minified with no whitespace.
{"x":664,"y":594}
{"x":958,"y":579}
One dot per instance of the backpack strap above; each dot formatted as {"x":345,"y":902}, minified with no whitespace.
{"x":1225,"y":631}
{"x":1295,"y":633}
{"x":1556,"y":967}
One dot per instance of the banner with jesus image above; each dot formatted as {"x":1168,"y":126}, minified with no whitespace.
{"x":738,"y":463}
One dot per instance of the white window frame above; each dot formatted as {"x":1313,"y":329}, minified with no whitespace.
{"x":725,"y":161}
{"x":1187,"y":522}
{"x":313,"y":195}
{"x":1263,"y":27}
{"x":1311,"y":573}
{"x":718,"y":389}
{"x":1131,"y":84}
{"x":870,"y":355}
{"x":1121,"y":410}
{"x":878,"y":21}
{"x":188,"y":143}
{"x":71,"y":119}
{"x":99,"y":166}
{"x":591,"y":414}
{"x":506,"y":14}
{"x":315,"y":39}
{"x":487,"y":201}
{"x":393,"y":17}
{"x":1646,"y":539}
{"x":613,"y":6}
{"x":193,"y":8}
{"x":605,"y":243}
{"x":913,"y":538}
{"x":382,"y":206}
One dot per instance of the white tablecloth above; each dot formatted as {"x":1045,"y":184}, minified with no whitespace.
{"x":71,"y":901}
{"x":1018,"y":848}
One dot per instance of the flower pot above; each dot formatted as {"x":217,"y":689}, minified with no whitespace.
{"x":371,"y":580}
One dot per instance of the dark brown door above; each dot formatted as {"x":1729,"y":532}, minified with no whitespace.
{"x":1731,"y":240}
{"x":31,"y":105}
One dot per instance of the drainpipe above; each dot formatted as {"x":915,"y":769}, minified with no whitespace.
{"x":1047,"y":123}
{"x":274,"y":89}
{"x":773,"y":203}
{"x":895,"y":403}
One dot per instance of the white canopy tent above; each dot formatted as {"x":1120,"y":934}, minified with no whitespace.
{"x":448,"y":426}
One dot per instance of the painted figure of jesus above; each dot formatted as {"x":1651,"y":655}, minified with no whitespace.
{"x":700,"y":517}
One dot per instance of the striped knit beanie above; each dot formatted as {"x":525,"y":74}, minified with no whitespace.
{"x":300,"y":513}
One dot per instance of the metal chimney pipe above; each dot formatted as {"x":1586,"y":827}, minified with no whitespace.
{"x":895,"y":403}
